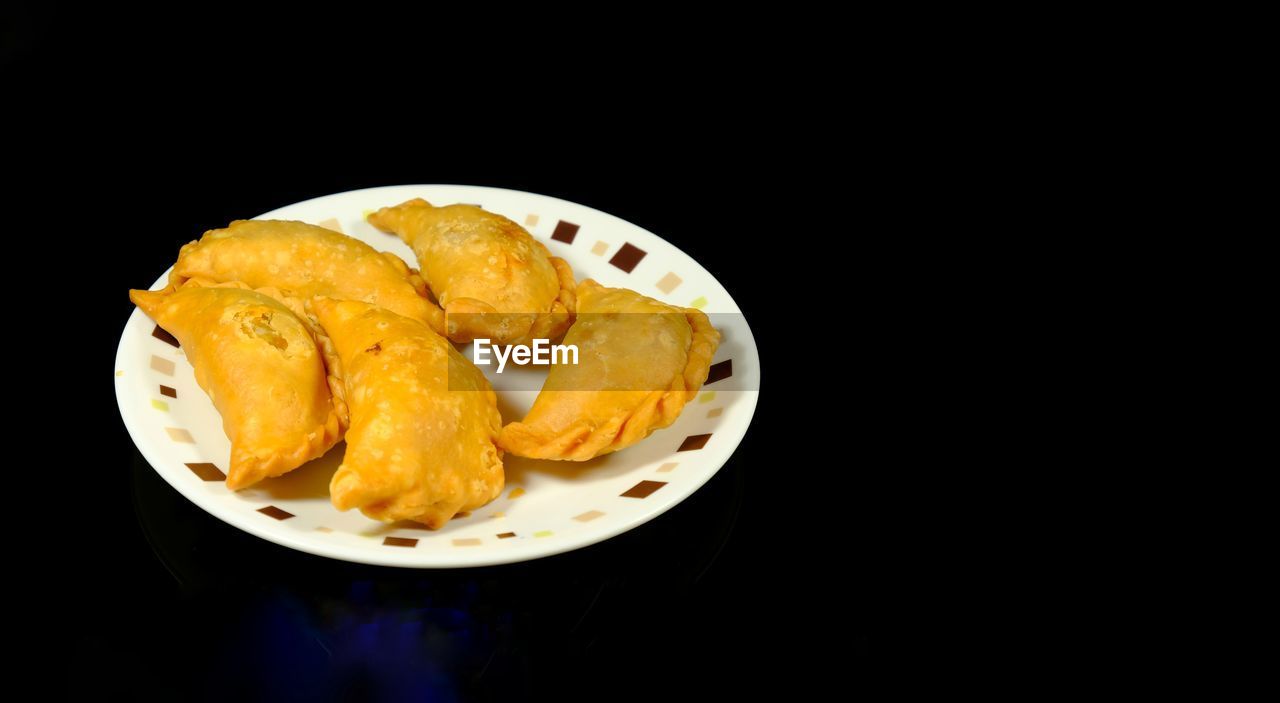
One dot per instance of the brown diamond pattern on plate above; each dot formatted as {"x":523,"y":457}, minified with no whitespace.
{"x":277,"y":513}
{"x":644,"y":489}
{"x":565,"y":232}
{"x":207,"y":471}
{"x":719,"y":371}
{"x":163,"y":336}
{"x":627,"y":257}
{"x":694,"y":441}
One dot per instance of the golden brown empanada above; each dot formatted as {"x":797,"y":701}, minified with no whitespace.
{"x":259,"y":364}
{"x":423,"y":419}
{"x":639,"y":362}
{"x":303,"y":261}
{"x":493,"y":279}
{"x":328,"y":354}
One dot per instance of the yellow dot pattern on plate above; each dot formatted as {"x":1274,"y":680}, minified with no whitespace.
{"x":668,"y":283}
{"x":178,"y":434}
{"x":707,"y":397}
{"x":714,"y":412}
{"x":515,"y":493}
{"x":120,"y":373}
{"x":543,"y":533}
{"x":324,"y":529}
{"x":599,"y":248}
{"x":588,"y":516}
{"x":699,"y":302}
{"x":498,"y":514}
{"x":466,"y":542}
{"x":667,"y":467}
{"x":531,"y":220}
{"x":160,"y":405}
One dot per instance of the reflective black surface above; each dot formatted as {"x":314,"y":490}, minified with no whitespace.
{"x":758,"y":580}
{"x":275,"y":616}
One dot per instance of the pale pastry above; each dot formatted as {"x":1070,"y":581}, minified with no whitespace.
{"x":304,"y":261}
{"x":639,"y":362}
{"x":260,"y":365}
{"x":424,"y":420}
{"x":492,"y":277}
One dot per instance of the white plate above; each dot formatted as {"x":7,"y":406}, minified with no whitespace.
{"x":547,"y":507}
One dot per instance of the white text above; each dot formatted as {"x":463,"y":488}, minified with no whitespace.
{"x":541,"y":353}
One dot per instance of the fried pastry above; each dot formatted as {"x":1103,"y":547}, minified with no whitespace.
{"x":492,"y":277}
{"x":640,"y":361}
{"x":260,"y":365}
{"x":424,"y":420}
{"x":303,"y":261}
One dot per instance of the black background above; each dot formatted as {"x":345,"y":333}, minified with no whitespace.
{"x":759,"y":579}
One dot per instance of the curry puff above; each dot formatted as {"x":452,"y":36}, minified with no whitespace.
{"x":303,"y":261}
{"x":640,"y":362}
{"x":261,"y":367}
{"x":494,"y":280}
{"x":424,"y":420}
